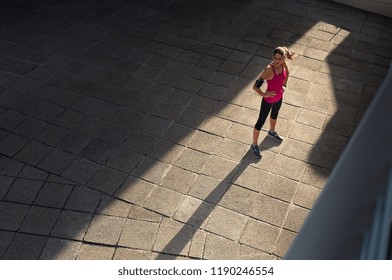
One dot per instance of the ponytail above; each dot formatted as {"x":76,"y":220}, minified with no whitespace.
{"x":284,"y":51}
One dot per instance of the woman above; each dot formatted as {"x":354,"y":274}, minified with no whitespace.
{"x":276,"y":74}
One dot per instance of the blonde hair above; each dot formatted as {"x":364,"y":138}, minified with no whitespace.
{"x":284,"y":51}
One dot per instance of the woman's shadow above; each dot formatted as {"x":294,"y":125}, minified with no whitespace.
{"x":200,"y":215}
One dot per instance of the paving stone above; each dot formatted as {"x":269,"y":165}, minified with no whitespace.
{"x":142,"y":214}
{"x":173,"y":238}
{"x":226,"y":223}
{"x":10,"y":167}
{"x":98,"y":112}
{"x":220,"y":168}
{"x":42,"y":73}
{"x":280,"y":187}
{"x":191,"y":118}
{"x":200,"y":72}
{"x":210,"y":62}
{"x":217,"y":126}
{"x":40,"y":220}
{"x":139,"y":142}
{"x":254,"y":230}
{"x":283,"y":244}
{"x":113,"y":207}
{"x":12,"y":144}
{"x":305,"y":133}
{"x":124,"y":160}
{"x":92,"y":126}
{"x":33,"y":153}
{"x":164,"y":151}
{"x":338,"y":126}
{"x":203,"y":104}
{"x":5,"y":183}
{"x":95,"y":252}
{"x":342,"y":111}
{"x":105,"y":230}
{"x":304,"y":73}
{"x":30,"y":172}
{"x":246,"y":116}
{"x":193,"y":211}
{"x":332,"y":142}
{"x":81,"y":170}
{"x":270,"y":210}
{"x":155,"y":126}
{"x":107,"y":180}
{"x":59,"y":249}
{"x":220,"y":79}
{"x":24,"y":190}
{"x":232,"y":67}
{"x":157,"y":201}
{"x":322,"y":157}
{"x":196,"y":249}
{"x":219,"y":248}
{"x":56,"y":161}
{"x":311,"y":118}
{"x":249,"y":253}
{"x":135,"y":190}
{"x":295,"y":218}
{"x":45,"y":111}
{"x":239,"y":199}
{"x":19,"y":251}
{"x":167,"y":111}
{"x":237,"y":132}
{"x":205,"y":142}
{"x":151,"y":170}
{"x":71,"y":225}
{"x":228,"y":111}
{"x":64,"y":80}
{"x":179,"y":180}
{"x":139,"y":234}
{"x":131,"y":254}
{"x":317,"y":104}
{"x":8,"y":80}
{"x":306,"y":196}
{"x":10,"y":119}
{"x":74,"y":142}
{"x":232,"y":150}
{"x":209,"y":189}
{"x":5,"y":239}
{"x":316,"y":176}
{"x":179,"y":134}
{"x":83,"y":199}
{"x":250,"y":178}
{"x":289,"y":167}
{"x":192,"y":160}
{"x":127,"y":117}
{"x":30,"y":127}
{"x":97,"y":151}
{"x":53,"y":195}
{"x":16,"y":213}
{"x":52,"y":135}
{"x":3,"y":134}
{"x":296,"y":149}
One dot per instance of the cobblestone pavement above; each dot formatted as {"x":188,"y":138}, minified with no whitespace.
{"x":125,"y":126}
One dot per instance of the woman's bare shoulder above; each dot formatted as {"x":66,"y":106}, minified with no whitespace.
{"x":267,"y":72}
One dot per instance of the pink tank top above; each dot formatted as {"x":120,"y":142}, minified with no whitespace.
{"x":276,"y":84}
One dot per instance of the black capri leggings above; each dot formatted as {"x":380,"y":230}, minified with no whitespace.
{"x":264,"y":111}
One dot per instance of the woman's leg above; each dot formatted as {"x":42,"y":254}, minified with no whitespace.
{"x":273,"y":118}
{"x":274,"y":114}
{"x":272,"y":124}
{"x":256,"y":134}
{"x":264,"y":111}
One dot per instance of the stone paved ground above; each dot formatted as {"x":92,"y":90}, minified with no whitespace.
{"x":125,"y":125}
